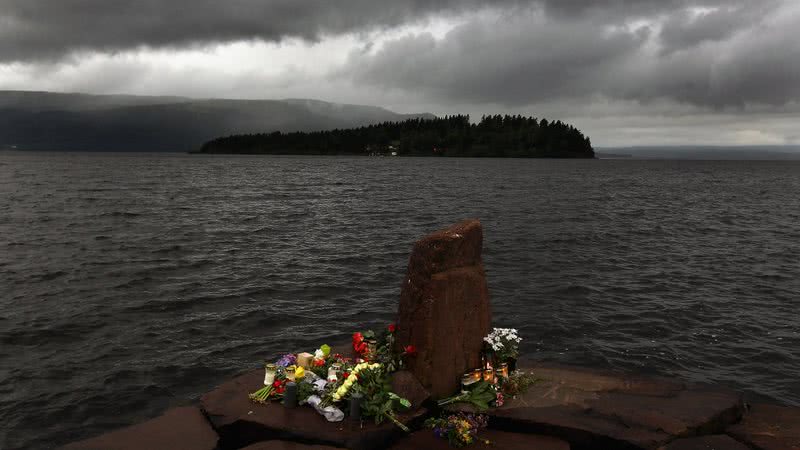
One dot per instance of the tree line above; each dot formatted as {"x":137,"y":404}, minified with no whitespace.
{"x":494,"y":136}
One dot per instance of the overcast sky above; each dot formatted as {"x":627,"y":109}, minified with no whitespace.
{"x":626,"y":72}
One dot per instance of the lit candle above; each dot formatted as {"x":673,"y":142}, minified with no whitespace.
{"x":269,"y":374}
{"x":488,"y":373}
{"x":503,"y":370}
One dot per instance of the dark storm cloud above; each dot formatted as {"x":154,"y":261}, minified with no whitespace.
{"x":47,"y":29}
{"x":35,"y":29}
{"x":725,"y":58}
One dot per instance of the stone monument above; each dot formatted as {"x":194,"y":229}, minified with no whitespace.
{"x":444,"y":307}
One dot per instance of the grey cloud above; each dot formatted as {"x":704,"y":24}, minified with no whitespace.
{"x":684,"y":30}
{"x":38,"y":29}
{"x":47,"y":29}
{"x":526,"y":59}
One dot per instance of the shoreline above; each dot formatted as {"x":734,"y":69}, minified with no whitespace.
{"x":580,"y":407}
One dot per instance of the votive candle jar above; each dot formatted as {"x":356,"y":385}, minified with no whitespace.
{"x":503,"y":370}
{"x":290,"y":373}
{"x":269,"y":373}
{"x":333,"y":372}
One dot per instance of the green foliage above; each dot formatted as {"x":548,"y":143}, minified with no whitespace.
{"x":480,"y":395}
{"x":493,"y":136}
{"x":379,"y":401}
{"x":304,"y":390}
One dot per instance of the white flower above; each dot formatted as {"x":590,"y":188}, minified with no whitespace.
{"x":319,"y":354}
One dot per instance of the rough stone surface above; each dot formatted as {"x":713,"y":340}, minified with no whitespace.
{"x":444,"y":306}
{"x":241,"y":422}
{"x":425,"y":439}
{"x":769,"y":427}
{"x":286,"y":445}
{"x":715,"y":442}
{"x":406,"y":385}
{"x":177,"y":429}
{"x":596,"y":409}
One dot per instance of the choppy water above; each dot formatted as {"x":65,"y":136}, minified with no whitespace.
{"x":130,"y":283}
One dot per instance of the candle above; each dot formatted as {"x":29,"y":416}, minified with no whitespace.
{"x":467,"y":380}
{"x":269,"y":374}
{"x":333,"y":372}
{"x":372,"y":348}
{"x":290,"y":373}
{"x":355,"y":406}
{"x":503,"y":370}
{"x":488,"y":373}
{"x":305,"y":359}
{"x":290,"y":395}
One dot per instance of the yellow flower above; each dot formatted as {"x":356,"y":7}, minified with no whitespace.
{"x":299,"y":372}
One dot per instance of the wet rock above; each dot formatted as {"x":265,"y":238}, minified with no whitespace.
{"x":444,"y":307}
{"x":241,"y":422}
{"x":425,"y":439}
{"x":180,"y":428}
{"x":406,"y":385}
{"x":769,"y":427}
{"x":715,"y":442}
{"x":597,"y":409}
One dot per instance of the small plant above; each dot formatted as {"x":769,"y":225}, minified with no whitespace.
{"x":504,"y":342}
{"x":518,"y":383}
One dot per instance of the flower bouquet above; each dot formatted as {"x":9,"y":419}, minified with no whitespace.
{"x":329,"y":381}
{"x":460,"y":429}
{"x":504,"y":343}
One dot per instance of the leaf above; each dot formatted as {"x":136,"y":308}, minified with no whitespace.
{"x":326,"y":350}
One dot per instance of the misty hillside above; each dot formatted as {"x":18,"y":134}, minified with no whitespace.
{"x":53,"y":121}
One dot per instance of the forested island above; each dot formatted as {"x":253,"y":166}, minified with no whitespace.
{"x":493,"y":136}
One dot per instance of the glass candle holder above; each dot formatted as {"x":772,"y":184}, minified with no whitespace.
{"x":372,"y":348}
{"x":502,"y":371}
{"x":269,"y":373}
{"x":488,"y":374}
{"x":290,"y":373}
{"x":333,"y":372}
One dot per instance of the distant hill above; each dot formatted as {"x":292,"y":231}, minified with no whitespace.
{"x":700,"y":152}
{"x":55,"y":121}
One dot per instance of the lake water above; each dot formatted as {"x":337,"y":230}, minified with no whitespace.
{"x":134,"y":282}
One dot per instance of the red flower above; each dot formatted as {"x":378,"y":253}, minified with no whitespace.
{"x":392,"y":327}
{"x":319,"y":362}
{"x":345,"y":375}
{"x":360,"y":347}
{"x":358,"y":337}
{"x":410,"y":350}
{"x":280,"y":390}
{"x":276,"y":384}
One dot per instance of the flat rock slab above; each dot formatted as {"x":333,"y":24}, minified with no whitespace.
{"x":715,"y":442}
{"x":177,"y":429}
{"x":769,"y":427}
{"x":241,"y":422}
{"x":425,"y":439}
{"x":597,"y":409}
{"x":286,"y":445}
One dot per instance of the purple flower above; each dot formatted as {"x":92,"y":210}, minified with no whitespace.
{"x":287,"y":360}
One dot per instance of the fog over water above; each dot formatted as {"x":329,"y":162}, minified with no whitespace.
{"x":133,"y":282}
